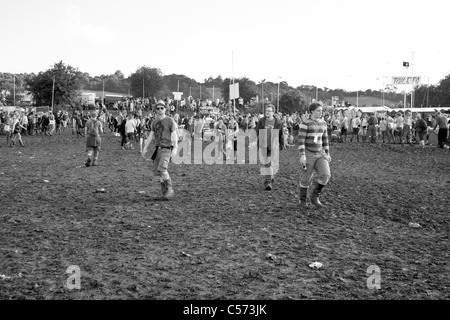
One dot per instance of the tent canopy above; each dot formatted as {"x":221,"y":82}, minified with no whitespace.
{"x":387,"y":109}
{"x":366,"y":109}
{"x":430,"y":110}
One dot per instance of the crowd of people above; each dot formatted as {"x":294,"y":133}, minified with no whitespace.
{"x":312,"y":132}
{"x":133,"y":126}
{"x":389,"y":127}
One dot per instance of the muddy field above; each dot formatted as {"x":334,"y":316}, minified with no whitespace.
{"x":223,"y":236}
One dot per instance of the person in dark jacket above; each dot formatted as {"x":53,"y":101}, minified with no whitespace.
{"x":269,"y":131}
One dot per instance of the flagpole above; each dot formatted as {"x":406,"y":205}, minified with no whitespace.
{"x":53,"y":92}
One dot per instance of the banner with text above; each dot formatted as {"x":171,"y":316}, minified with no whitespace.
{"x":406,"y":80}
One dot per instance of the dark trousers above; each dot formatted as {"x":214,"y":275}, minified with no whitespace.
{"x":442,"y":137}
{"x":124,"y":139}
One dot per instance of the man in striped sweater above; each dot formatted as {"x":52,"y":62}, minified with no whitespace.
{"x":314,"y":155}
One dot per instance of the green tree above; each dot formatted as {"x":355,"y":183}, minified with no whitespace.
{"x":146,"y":81}
{"x":294,"y":101}
{"x":441,"y":94}
{"x":68,"y":82}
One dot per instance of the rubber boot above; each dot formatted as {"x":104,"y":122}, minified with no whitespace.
{"x":315,"y":195}
{"x":303,"y":198}
{"x":88,"y":162}
{"x":163,"y":189}
{"x":268,"y":184}
{"x":94,"y":162}
{"x":169,"y":191}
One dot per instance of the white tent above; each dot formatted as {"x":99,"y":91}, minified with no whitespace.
{"x":366,"y":109}
{"x":429,"y":110}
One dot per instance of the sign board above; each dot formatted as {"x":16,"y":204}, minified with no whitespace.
{"x":406,"y":80}
{"x":177,"y":95}
{"x":234,"y":91}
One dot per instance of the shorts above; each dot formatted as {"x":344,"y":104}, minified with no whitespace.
{"x":93,"y":142}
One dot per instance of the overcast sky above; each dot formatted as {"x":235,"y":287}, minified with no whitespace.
{"x":348,"y":44}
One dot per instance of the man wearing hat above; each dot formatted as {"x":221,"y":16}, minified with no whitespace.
{"x":164,"y":131}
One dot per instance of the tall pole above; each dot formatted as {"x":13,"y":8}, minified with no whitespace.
{"x":103,"y":100}
{"x":178,"y":90}
{"x":143,"y":89}
{"x":383,"y":91}
{"x":232,"y":75}
{"x":262,"y":95}
{"x":200,"y":92}
{"x":357,"y":102}
{"x":14,"y":89}
{"x":317,"y":94}
{"x":406,"y":78}
{"x":213,"y":93}
{"x":278,"y":97}
{"x":53,"y":92}
{"x":412,"y":82}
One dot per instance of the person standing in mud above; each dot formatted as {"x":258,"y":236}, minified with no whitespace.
{"x":265,"y":145}
{"x":93,"y":128}
{"x":420,"y":127}
{"x":164,"y":131}
{"x":314,"y":155}
{"x":442,"y":123}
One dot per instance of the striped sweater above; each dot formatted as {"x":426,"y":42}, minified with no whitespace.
{"x":313,"y":136}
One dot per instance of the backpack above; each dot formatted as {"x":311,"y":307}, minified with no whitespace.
{"x":93,"y":131}
{"x":421,"y":124}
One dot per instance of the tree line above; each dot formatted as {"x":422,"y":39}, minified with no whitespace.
{"x":64,"y":84}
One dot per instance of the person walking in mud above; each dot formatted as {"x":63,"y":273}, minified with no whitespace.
{"x":314,"y":155}
{"x":267,"y":144}
{"x":93,"y":128}
{"x":16,"y":130}
{"x":7,"y":129}
{"x":164,"y":131}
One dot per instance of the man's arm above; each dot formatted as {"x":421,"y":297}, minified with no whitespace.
{"x":174,"y":138}
{"x":281,"y":136}
{"x":303,"y":128}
